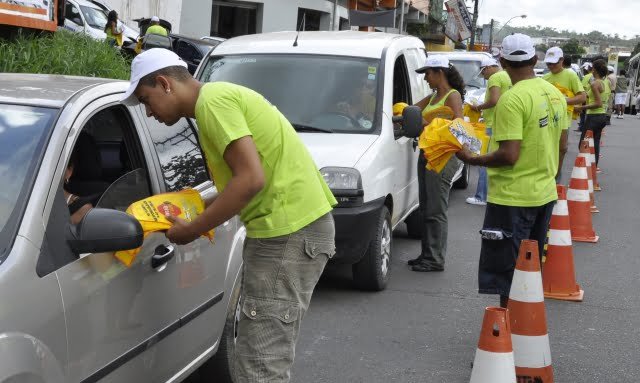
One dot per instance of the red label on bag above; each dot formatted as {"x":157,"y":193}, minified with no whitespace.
{"x":168,"y":208}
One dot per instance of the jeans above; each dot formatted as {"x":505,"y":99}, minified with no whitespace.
{"x":481,"y":189}
{"x":596,"y":123}
{"x":583,"y":116}
{"x":433,"y":193}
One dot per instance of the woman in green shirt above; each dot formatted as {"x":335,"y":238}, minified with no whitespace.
{"x":433,"y":188}
{"x":596,"y":108}
{"x":111,"y":28}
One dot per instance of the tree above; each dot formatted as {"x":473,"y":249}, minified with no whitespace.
{"x":542,"y":47}
{"x":572,"y":47}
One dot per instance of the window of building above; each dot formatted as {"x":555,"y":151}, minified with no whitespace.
{"x":230,"y":19}
{"x":308,"y":19}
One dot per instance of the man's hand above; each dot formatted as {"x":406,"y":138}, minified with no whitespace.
{"x":475,"y":108}
{"x":465,"y":154}
{"x":180,"y":233}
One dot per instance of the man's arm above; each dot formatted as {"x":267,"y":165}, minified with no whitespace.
{"x":564,"y":145}
{"x":507,"y":155}
{"x":578,"y":99}
{"x":247,"y":180}
{"x":494,"y":96}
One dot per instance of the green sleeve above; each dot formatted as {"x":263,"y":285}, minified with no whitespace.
{"x":493,"y":81}
{"x":223,"y":119}
{"x":508,"y":121}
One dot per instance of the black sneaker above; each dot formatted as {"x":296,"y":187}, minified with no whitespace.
{"x":415,"y":261}
{"x":425,"y":268}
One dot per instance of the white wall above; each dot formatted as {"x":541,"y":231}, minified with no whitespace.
{"x":195,"y":20}
{"x":282,"y":15}
{"x":169,"y":10}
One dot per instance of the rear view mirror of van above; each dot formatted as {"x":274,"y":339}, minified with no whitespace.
{"x":411,"y":121}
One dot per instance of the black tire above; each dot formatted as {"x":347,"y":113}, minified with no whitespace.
{"x":372,"y":272}
{"x":220,"y":367}
{"x":414,"y":224}
{"x":463,"y":181}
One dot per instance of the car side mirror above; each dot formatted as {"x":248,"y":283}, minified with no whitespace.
{"x":103,"y":230}
{"x":411,"y":121}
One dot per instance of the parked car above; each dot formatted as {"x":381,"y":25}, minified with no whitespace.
{"x":69,"y":311}
{"x":317,"y":80}
{"x":88,"y":17}
{"x":213,"y":38}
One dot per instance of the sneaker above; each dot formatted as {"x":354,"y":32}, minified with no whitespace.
{"x":475,"y":201}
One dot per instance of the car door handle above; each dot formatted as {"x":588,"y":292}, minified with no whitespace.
{"x":161,"y":256}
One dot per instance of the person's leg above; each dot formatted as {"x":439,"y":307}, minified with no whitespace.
{"x":583,"y":130}
{"x":434,"y":241}
{"x":481,"y":189}
{"x":597,"y":134}
{"x":422,"y":200}
{"x":541,"y":226}
{"x":279,"y":276}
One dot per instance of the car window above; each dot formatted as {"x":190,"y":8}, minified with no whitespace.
{"x":314,"y":92}
{"x":96,"y":18}
{"x":178,"y":150}
{"x":470,"y":71}
{"x":401,"y":85}
{"x":72,"y":14}
{"x":187,"y":51}
{"x":23,"y":130}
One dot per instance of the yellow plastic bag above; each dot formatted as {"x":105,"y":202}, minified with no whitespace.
{"x":568,"y":93}
{"x":481,"y":133}
{"x":443,"y":112}
{"x":398,"y":107}
{"x":442,"y":138}
{"x":472,"y":114}
{"x":151,"y":213}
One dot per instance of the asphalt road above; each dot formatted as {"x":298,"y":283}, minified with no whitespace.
{"x":425,"y":326}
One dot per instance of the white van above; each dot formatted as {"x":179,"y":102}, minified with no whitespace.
{"x":337,"y":89}
{"x":86,"y":17}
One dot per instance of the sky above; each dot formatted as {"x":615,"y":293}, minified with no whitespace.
{"x":584,"y":16}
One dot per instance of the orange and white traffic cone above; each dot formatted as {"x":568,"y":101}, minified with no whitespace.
{"x":528,"y":318}
{"x":584,"y":152}
{"x":580,"y":204}
{"x":558,"y":274}
{"x":494,"y":357}
{"x":592,"y":149}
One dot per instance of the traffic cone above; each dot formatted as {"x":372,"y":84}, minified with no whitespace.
{"x":592,"y":149}
{"x":494,"y":357}
{"x":584,"y":152}
{"x":529,"y":336}
{"x":558,"y":274}
{"x":580,"y":204}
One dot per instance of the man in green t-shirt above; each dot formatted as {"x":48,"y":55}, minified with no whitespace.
{"x":498,"y":83}
{"x":264,"y":173}
{"x":155,"y":28}
{"x":587,"y":77}
{"x":529,"y":135}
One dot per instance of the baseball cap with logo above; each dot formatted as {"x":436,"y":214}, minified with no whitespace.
{"x":148,"y":62}
{"x":155,"y":19}
{"x":435,"y":61}
{"x":554,"y":54}
{"x":487,"y":62}
{"x":517,"y":47}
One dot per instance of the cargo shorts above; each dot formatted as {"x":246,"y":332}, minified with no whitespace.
{"x":279,"y":275}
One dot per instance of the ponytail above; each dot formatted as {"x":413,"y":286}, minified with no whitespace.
{"x":454,"y":79}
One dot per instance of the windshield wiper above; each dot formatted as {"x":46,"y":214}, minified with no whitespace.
{"x":475,"y":86}
{"x":307,"y":128}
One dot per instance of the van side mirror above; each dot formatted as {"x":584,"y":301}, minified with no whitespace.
{"x":103,"y":230}
{"x":411,"y":121}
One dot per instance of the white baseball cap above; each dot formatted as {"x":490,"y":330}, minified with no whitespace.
{"x":554,"y":54}
{"x":148,"y":62}
{"x":155,"y":19}
{"x":487,"y":62}
{"x":435,"y":61}
{"x":610,"y":68}
{"x":587,"y":65}
{"x":517,"y":47}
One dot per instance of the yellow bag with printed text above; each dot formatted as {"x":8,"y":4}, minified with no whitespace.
{"x":151,"y":212}
{"x":442,"y":138}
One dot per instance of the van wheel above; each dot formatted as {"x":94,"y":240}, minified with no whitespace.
{"x":414,"y":224}
{"x":463,"y":181}
{"x":220,"y":367}
{"x":372,"y":272}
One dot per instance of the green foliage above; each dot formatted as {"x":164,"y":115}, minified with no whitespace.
{"x":62,"y":52}
{"x":593,"y":36}
{"x":572,"y":47}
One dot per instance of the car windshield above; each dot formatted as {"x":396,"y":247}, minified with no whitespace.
{"x":96,"y":18}
{"x":316,"y":93}
{"x":22,"y":129}
{"x":470,"y":71}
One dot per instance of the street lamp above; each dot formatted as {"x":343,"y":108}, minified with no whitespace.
{"x":505,"y":24}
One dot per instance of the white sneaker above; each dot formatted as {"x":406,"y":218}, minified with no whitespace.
{"x":475,"y":201}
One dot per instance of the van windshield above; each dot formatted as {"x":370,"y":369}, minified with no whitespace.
{"x":22,"y":129}
{"x":316,"y":93}
{"x":470,"y":72}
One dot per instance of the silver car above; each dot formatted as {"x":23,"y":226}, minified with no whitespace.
{"x":69,"y":311}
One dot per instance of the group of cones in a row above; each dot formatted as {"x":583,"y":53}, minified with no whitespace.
{"x":514,"y":342}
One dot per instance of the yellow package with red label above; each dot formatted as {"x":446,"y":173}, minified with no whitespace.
{"x":151,"y":212}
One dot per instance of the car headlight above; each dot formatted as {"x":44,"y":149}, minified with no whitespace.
{"x":342,"y":178}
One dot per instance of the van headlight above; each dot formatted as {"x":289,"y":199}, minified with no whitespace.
{"x":346,"y":185}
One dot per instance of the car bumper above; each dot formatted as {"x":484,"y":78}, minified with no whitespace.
{"x":355,"y":228}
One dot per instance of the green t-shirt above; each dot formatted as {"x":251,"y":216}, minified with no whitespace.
{"x":533,"y":112}
{"x":500,"y":79}
{"x":567,"y":79}
{"x":604,"y":97}
{"x":157,"y":30}
{"x":294,"y":193}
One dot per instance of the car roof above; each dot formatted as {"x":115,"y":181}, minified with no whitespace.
{"x":86,"y":3}
{"x":462,"y":56}
{"x":339,"y":43}
{"x":42,"y":89}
